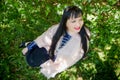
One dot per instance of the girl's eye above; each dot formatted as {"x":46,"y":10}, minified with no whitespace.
{"x":73,"y":21}
{"x":81,"y":20}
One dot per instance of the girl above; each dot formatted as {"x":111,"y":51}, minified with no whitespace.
{"x":63,"y":44}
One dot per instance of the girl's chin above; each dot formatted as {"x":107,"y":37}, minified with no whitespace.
{"x":77,"y":30}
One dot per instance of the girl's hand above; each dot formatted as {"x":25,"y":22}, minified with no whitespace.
{"x":25,"y":50}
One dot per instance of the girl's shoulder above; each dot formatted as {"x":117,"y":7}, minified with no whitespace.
{"x":51,"y":30}
{"x":54,"y":27}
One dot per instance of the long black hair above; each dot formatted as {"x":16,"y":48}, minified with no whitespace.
{"x":71,"y":11}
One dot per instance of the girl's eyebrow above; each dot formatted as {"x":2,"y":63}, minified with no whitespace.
{"x":72,"y":19}
{"x":81,"y":19}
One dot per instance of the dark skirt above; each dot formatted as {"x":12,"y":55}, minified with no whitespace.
{"x":37,"y":56}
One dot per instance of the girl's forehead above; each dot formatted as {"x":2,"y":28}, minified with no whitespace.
{"x":72,"y":18}
{"x":73,"y":15}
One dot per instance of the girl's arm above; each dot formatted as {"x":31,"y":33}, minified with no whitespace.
{"x":43,"y":40}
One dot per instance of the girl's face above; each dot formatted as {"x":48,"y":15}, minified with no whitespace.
{"x":74,"y":24}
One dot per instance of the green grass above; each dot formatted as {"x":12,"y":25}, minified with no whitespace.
{"x":23,"y":20}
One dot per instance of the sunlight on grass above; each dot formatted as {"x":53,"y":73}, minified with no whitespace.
{"x":80,"y":78}
{"x":101,"y":55}
{"x":73,"y":69}
{"x":59,"y":10}
{"x":117,"y":15}
{"x":89,"y":66}
{"x":118,"y":71}
{"x":91,"y":17}
{"x":107,"y":47}
{"x":4,"y":26}
{"x":118,"y":41}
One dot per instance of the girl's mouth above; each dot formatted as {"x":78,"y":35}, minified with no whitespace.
{"x":77,"y":28}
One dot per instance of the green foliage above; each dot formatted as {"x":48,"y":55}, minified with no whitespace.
{"x":24,"y":20}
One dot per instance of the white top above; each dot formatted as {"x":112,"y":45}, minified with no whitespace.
{"x":66,"y":56}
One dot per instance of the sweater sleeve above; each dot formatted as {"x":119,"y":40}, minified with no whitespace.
{"x":45,"y":39}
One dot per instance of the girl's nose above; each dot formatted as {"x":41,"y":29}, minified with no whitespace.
{"x":77,"y":24}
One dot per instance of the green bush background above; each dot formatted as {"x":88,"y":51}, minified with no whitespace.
{"x":24,"y":20}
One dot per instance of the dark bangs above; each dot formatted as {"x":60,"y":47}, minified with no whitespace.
{"x":73,"y":12}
